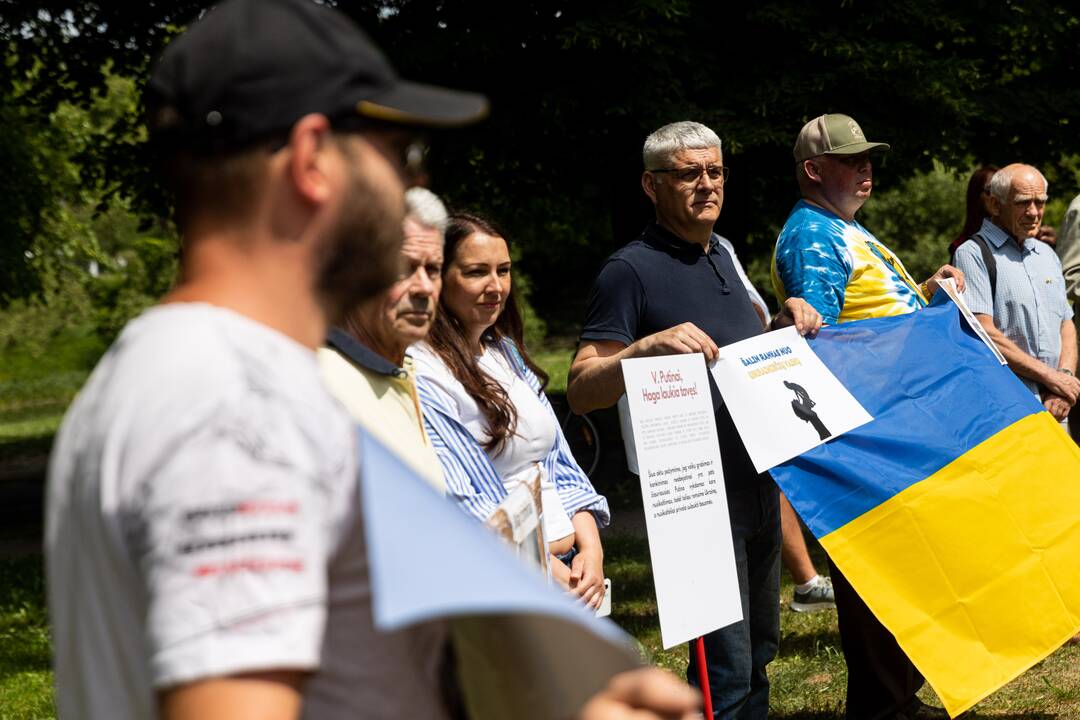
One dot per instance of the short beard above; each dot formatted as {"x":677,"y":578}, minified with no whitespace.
{"x":362,"y":253}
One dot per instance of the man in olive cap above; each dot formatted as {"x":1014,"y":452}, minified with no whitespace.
{"x":825,"y":256}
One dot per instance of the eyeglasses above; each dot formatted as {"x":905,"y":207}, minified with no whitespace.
{"x":414,"y":157}
{"x":411,"y":153}
{"x":400,"y":146}
{"x":405,"y":149}
{"x":690,"y":175}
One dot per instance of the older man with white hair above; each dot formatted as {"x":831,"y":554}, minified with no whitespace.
{"x":675,"y":289}
{"x":1016,"y":289}
{"x":365,"y":364}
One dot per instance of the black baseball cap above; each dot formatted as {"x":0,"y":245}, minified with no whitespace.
{"x":249,"y":69}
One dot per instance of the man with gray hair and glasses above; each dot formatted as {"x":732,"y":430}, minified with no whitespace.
{"x":1016,"y":289}
{"x":674,"y":289}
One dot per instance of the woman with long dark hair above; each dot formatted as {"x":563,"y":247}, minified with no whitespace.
{"x":978,"y":194}
{"x":485,"y":410}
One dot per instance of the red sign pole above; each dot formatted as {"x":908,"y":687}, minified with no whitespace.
{"x":703,"y":677}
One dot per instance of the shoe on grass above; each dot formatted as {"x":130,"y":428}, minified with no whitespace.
{"x":819,"y":597}
{"x":918,"y":710}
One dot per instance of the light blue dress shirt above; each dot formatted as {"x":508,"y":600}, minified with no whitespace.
{"x":1030,"y":302}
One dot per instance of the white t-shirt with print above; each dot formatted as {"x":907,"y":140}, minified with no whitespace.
{"x":202,"y":519}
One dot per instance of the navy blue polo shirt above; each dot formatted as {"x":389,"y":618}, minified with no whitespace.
{"x":658,"y":281}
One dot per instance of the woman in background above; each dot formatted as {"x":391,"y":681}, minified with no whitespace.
{"x":485,"y":410}
{"x":978,"y":195}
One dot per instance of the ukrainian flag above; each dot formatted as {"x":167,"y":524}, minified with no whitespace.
{"x":955,"y":512}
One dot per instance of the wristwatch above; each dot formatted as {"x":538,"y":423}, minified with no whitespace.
{"x":1067,"y":371}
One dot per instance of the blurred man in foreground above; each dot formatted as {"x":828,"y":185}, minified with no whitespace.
{"x":205,"y":553}
{"x":205,"y":556}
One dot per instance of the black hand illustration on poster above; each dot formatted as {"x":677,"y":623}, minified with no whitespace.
{"x":803,"y":407}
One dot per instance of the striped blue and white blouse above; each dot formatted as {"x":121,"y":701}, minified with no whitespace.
{"x":472,"y":479}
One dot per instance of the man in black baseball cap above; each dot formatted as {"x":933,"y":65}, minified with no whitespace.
{"x":205,"y":554}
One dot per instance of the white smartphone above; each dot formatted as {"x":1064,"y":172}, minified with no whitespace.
{"x":605,"y":605}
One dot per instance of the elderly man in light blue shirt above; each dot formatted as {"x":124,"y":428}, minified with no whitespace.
{"x":1016,"y":288}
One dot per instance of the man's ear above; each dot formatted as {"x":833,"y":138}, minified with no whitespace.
{"x":648,"y":184}
{"x":309,"y":144}
{"x":993,"y":205}
{"x":812,"y":170}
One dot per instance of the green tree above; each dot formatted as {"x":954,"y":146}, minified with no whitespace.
{"x":919,"y":217}
{"x":25,"y":198}
{"x":576,"y":87}
{"x":87,"y":264}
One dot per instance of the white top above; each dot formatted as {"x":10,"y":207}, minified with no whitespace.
{"x":755,"y":296}
{"x":522,"y":455}
{"x":202,"y":520}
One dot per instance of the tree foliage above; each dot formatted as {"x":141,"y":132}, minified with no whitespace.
{"x":86,"y":266}
{"x":575,"y":87}
{"x":920,"y":215}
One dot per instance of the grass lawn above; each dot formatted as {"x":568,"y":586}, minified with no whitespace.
{"x":808,"y":677}
{"x":25,"y":677}
{"x":555,"y":359}
{"x":31,"y":411}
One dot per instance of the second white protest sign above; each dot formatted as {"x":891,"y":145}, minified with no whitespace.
{"x":682,"y":486}
{"x":782,"y":398}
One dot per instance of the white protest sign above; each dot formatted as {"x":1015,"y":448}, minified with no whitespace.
{"x":782,"y":398}
{"x":518,"y":520}
{"x":682,"y":485}
{"x":627,"y":432}
{"x":949,"y":286}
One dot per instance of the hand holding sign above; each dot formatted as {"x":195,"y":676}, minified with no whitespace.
{"x":799,"y":313}
{"x":679,"y":340}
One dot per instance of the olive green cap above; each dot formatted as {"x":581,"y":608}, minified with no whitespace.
{"x":832,"y":134}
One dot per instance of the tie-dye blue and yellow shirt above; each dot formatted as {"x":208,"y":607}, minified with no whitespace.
{"x":840,"y":268}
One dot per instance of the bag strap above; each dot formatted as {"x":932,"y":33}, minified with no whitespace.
{"x":988,"y":261}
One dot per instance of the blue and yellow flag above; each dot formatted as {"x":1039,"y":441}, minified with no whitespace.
{"x":955,"y":512}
